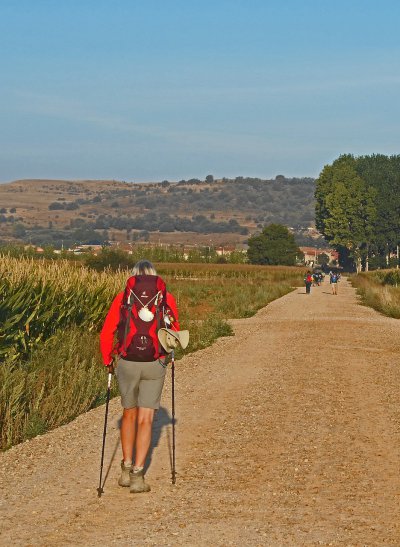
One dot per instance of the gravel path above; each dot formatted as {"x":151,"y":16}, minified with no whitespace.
{"x":287,"y":434}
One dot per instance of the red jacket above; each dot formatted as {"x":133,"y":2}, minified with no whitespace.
{"x":108,"y":331}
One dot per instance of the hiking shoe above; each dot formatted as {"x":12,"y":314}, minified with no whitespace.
{"x":124,"y":479}
{"x":137,"y":482}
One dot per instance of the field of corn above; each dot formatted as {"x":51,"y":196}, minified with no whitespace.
{"x":51,"y":313}
{"x":380,"y":290}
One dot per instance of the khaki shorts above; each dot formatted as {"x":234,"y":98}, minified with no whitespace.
{"x":140,"y":384}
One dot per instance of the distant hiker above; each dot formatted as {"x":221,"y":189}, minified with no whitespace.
{"x":333,"y":279}
{"x":135,"y":317}
{"x":308,"y":279}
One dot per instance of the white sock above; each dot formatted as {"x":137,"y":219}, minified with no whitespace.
{"x":136,"y":469}
{"x":127,"y":463}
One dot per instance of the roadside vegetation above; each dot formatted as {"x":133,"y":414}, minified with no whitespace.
{"x":380,"y":290}
{"x":51,"y":313}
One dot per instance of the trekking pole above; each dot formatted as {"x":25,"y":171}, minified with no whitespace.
{"x":100,"y":488}
{"x":173,"y":417}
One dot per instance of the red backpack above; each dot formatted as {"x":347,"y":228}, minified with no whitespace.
{"x":142,"y":312}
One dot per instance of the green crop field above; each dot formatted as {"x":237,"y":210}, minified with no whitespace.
{"x":51,"y":314}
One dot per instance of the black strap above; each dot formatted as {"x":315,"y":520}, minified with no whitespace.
{"x":128,"y":318}
{"x":158,"y":328}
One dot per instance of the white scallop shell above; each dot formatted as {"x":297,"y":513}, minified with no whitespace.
{"x":146,"y":315}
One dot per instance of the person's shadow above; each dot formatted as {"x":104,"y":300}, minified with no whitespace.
{"x":161,"y":419}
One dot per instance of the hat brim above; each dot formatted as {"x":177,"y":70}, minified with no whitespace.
{"x":181,"y":337}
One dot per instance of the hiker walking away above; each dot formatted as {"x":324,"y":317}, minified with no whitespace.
{"x":314,"y":279}
{"x":308,"y":279}
{"x":333,"y":279}
{"x":135,"y":317}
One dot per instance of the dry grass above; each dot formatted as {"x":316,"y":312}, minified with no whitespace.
{"x":380,"y":291}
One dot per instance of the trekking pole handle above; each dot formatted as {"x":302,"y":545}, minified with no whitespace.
{"x":109,"y":380}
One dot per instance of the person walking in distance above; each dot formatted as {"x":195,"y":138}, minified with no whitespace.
{"x":135,"y":317}
{"x":333,"y":279}
{"x":308,"y":280}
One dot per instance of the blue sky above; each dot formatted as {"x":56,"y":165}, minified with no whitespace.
{"x":177,"y":89}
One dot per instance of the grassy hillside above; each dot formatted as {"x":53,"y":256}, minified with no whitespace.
{"x":220,"y":212}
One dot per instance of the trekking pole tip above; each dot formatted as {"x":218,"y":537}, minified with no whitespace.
{"x":100,"y":491}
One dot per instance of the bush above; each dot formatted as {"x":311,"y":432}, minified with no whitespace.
{"x":55,"y":206}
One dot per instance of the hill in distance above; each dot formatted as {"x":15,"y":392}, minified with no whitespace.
{"x":216,"y":212}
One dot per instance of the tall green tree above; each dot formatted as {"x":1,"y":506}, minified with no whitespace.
{"x":383,"y":173}
{"x":345,"y":209}
{"x":274,"y":246}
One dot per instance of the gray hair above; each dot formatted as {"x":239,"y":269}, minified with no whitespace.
{"x":144,"y":267}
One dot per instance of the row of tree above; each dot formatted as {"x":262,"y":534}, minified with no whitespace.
{"x":162,"y":222}
{"x":358,"y":209}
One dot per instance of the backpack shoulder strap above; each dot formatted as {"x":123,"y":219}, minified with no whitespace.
{"x":127,"y":303}
{"x":161,"y":303}
{"x":127,"y":299}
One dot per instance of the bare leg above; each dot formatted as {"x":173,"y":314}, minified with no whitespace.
{"x":143,"y":437}
{"x":128,"y":432}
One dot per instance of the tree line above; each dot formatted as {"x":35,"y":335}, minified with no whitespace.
{"x":358,"y":209}
{"x":161,"y":222}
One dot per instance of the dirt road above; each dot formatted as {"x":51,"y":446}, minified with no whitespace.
{"x":288,"y":434}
